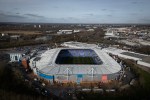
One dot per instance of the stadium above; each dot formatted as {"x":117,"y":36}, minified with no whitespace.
{"x":75,"y":65}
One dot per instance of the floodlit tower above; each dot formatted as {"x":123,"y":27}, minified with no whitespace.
{"x":92,"y":72}
{"x":68,"y":71}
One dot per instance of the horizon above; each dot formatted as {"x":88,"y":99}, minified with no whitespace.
{"x":75,"y":23}
{"x":76,"y":11}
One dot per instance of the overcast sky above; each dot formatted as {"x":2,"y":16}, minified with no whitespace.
{"x":75,"y":11}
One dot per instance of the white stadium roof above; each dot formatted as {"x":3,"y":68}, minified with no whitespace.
{"x":46,"y":64}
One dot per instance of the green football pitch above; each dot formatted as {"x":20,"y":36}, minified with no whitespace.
{"x":75,"y":60}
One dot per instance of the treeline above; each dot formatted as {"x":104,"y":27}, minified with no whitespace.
{"x":143,"y":76}
{"x":143,"y":49}
{"x":13,"y":44}
{"x":12,"y":86}
{"x":11,"y":95}
{"x":88,"y":37}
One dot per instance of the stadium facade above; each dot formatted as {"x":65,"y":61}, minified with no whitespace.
{"x":75,"y":65}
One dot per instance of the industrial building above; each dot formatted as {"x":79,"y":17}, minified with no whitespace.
{"x":61,"y":65}
{"x":15,"y":56}
{"x":65,"y":32}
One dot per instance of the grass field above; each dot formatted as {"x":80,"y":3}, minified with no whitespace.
{"x":75,"y":60}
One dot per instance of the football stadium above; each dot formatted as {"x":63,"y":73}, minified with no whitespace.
{"x":75,"y":65}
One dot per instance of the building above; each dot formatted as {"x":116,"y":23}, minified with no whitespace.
{"x":15,"y":56}
{"x":4,"y":37}
{"x":14,"y":37}
{"x":110,"y":32}
{"x":141,"y":59}
{"x":75,"y":65}
{"x":65,"y":32}
{"x":90,"y":30}
{"x":76,"y":31}
{"x":44,"y":38}
{"x":73,"y":44}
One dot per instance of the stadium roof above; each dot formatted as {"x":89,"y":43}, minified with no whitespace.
{"x":47,"y":65}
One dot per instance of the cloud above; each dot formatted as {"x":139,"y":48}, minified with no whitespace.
{"x":34,"y":15}
{"x":90,"y":14}
{"x":55,"y":7}
{"x":103,"y":9}
{"x":10,"y":16}
{"x":17,"y":13}
{"x":134,"y":14}
{"x":145,"y":20}
{"x":15,"y":8}
{"x":1,"y":11}
{"x":108,"y":10}
{"x":17,"y":17}
{"x":134,"y":2}
{"x":87,"y":15}
{"x":70,"y":17}
{"x":109,"y":15}
{"x":4,"y":17}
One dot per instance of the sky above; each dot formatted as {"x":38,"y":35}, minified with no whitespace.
{"x":75,"y":11}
